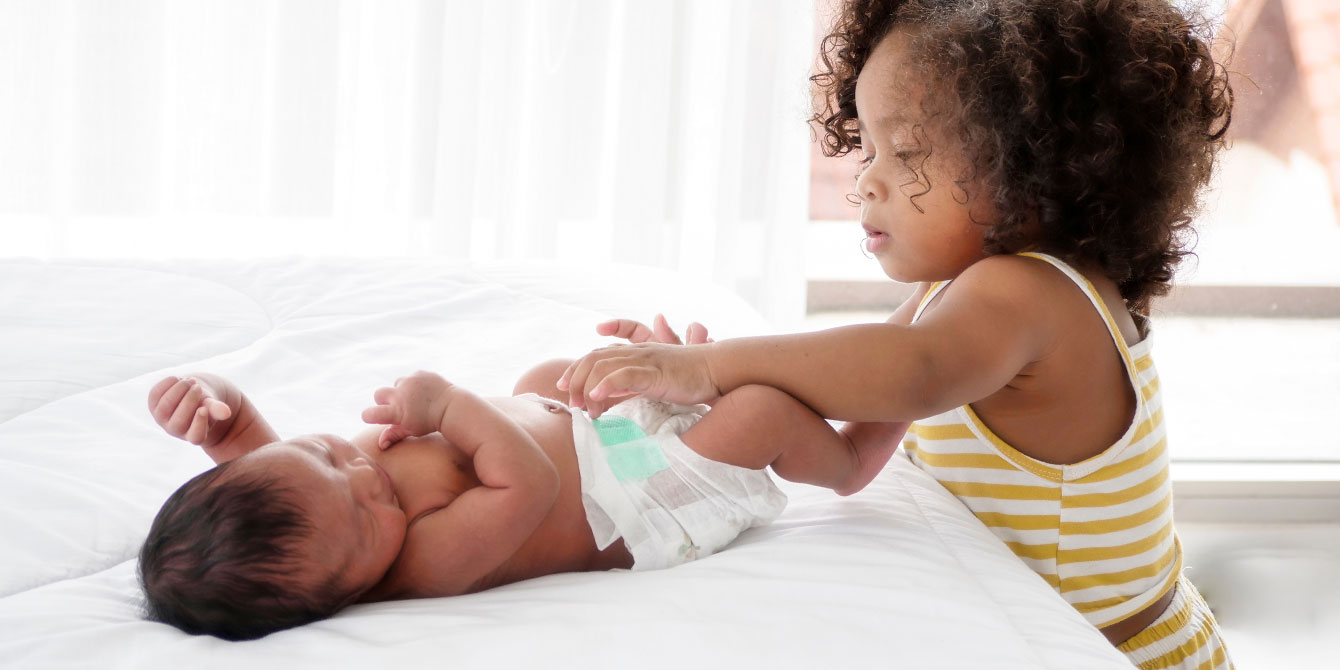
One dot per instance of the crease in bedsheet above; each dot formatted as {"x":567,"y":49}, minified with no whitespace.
{"x":915,"y":495}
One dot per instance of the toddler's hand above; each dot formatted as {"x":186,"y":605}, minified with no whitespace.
{"x":678,"y":374}
{"x":189,"y":408}
{"x":414,"y":407}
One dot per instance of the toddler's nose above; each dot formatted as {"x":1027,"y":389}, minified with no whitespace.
{"x":870,"y":188}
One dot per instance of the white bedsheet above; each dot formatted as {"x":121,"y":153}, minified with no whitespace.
{"x":899,"y":575}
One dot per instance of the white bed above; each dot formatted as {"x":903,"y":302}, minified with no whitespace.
{"x":899,"y":575}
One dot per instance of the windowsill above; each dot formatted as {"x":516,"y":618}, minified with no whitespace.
{"x":1250,"y":374}
{"x":1302,"y":259}
{"x":1255,"y":492}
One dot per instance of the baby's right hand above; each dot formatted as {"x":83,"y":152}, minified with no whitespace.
{"x":189,"y":408}
{"x":416,"y":406}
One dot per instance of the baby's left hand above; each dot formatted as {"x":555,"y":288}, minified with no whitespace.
{"x":415,"y":406}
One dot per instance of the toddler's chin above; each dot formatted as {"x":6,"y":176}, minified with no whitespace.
{"x":894,"y":272}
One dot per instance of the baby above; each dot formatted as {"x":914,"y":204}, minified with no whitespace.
{"x":476,"y":493}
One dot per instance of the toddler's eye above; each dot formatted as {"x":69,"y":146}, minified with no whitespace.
{"x":906,"y":151}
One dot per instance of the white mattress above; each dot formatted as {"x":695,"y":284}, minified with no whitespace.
{"x":898,"y":575}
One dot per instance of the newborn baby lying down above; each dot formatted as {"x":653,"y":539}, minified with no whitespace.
{"x":454,"y":494}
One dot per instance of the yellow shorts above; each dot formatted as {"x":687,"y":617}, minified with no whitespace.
{"x":1184,"y":637}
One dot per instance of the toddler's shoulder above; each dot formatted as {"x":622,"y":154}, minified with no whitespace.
{"x":1012,"y":279}
{"x":1025,"y":286}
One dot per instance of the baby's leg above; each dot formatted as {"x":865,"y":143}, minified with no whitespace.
{"x":758,"y":426}
{"x":542,"y":380}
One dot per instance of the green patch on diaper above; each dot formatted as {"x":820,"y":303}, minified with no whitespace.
{"x":638,"y":459}
{"x":630,"y":454}
{"x":617,"y":430}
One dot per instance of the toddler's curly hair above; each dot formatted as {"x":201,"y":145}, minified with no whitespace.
{"x":1091,"y":125}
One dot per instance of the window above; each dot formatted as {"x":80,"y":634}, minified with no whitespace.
{"x":1248,"y":346}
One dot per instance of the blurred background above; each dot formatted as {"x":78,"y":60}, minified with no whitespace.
{"x":670,"y":133}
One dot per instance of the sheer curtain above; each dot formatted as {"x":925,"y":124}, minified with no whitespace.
{"x":666,"y":133}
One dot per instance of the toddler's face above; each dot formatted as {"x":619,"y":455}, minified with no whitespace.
{"x":931,"y":236}
{"x":350,"y":500}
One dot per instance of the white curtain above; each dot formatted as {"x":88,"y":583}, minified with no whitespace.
{"x":668,"y":133}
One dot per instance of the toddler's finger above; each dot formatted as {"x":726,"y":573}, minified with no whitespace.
{"x":383,"y":395}
{"x":620,"y":383}
{"x":578,"y":380}
{"x":625,"y":329}
{"x":562,"y":383}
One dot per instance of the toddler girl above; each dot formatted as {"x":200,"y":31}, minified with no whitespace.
{"x":1033,"y":166}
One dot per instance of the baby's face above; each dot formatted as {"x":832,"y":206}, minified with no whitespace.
{"x":350,"y":500}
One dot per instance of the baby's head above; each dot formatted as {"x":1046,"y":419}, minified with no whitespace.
{"x":1083,"y":128}
{"x":288,"y":534}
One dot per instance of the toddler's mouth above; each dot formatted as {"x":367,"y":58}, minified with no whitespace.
{"x":874,"y":239}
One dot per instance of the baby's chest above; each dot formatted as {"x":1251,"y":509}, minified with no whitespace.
{"x":428,"y":474}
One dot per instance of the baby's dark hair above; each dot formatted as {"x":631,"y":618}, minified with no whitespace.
{"x":224,"y":556}
{"x":1091,"y":125}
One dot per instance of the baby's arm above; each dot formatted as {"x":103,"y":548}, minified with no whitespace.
{"x":452,"y":549}
{"x":210,"y":412}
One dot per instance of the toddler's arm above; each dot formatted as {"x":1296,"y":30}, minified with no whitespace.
{"x":210,"y":412}
{"x":455,"y":547}
{"x":983,"y":331}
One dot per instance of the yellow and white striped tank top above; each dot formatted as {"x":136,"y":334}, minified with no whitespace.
{"x":1099,"y":531}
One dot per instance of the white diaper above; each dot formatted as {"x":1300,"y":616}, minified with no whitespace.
{"x":669,"y":504}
